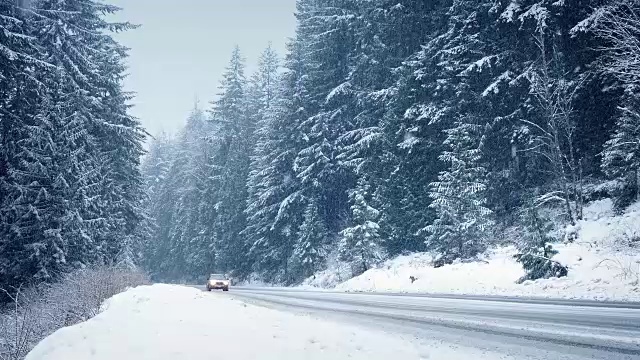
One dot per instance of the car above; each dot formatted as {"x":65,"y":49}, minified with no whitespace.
{"x":218,"y":281}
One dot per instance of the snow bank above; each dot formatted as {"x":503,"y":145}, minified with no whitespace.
{"x":602,"y":266}
{"x":497,"y":271}
{"x":329,"y":278}
{"x":173,"y":322}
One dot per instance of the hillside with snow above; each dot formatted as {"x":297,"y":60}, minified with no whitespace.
{"x":603,"y":263}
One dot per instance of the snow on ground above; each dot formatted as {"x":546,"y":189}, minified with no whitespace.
{"x":334,"y":275}
{"x":601,"y":266}
{"x":174,"y":322}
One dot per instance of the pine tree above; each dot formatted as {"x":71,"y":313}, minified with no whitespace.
{"x":265,"y":184}
{"x":176,"y":176}
{"x":263,"y":88}
{"x":56,"y":214}
{"x":621,"y":155}
{"x":536,"y":249}
{"x":156,"y":164}
{"x":615,"y":25}
{"x":410,"y":137}
{"x":108,"y":138}
{"x":277,"y":203}
{"x":233,"y":131}
{"x":122,"y":152}
{"x":463,"y":224}
{"x":329,"y":102}
{"x":190,"y":172}
{"x":366,"y":149}
{"x":361,"y":244}
{"x":309,"y":251}
{"x":20,"y":100}
{"x":155,"y":170}
{"x":171,"y":254}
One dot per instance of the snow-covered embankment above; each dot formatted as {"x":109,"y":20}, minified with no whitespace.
{"x":174,"y":322}
{"x":602,"y":266}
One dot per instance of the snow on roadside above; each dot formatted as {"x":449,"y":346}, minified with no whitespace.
{"x":600,"y":267}
{"x":173,"y":322}
{"x":334,"y":275}
{"x":497,"y":272}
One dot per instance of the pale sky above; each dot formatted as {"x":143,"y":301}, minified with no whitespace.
{"x":182,"y":47}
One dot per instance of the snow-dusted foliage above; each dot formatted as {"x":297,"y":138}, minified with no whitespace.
{"x":310,"y":249}
{"x":536,"y":249}
{"x":70,"y":188}
{"x":618,"y":26}
{"x":265,"y":183}
{"x":621,"y":155}
{"x":397,"y":126}
{"x":229,"y":158}
{"x":361,"y":244}
{"x":464,"y":221}
{"x":36,"y":312}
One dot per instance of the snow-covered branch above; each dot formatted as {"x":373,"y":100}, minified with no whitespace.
{"x":619,"y":25}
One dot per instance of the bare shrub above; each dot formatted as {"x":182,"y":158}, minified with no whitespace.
{"x":627,"y":269}
{"x":37,"y":312}
{"x":80,"y":295}
{"x":628,"y":236}
{"x":19,"y":326}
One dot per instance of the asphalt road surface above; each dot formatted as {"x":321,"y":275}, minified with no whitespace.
{"x":525,"y":328}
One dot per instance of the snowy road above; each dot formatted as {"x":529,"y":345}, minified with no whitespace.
{"x":544,"y":329}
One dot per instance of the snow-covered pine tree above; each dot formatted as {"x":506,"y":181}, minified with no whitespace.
{"x":155,"y":170}
{"x":268,"y":250}
{"x":277,"y":204}
{"x":55,"y":215}
{"x":156,"y":164}
{"x":370,"y":78}
{"x":310,"y":249}
{"x":232,"y":131}
{"x":330,"y":101}
{"x":190,"y":173}
{"x":176,"y":173}
{"x":616,"y":25}
{"x":108,"y":138}
{"x":621,"y":155}
{"x":463,"y":225}
{"x":170,"y":260}
{"x":121,"y":147}
{"x":20,"y":69}
{"x":535,"y":247}
{"x":367,"y":149}
{"x":483,"y":69}
{"x":361,"y":244}
{"x":374,"y":71}
{"x":410,"y":145}
{"x":263,"y":87}
{"x":42,"y":223}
